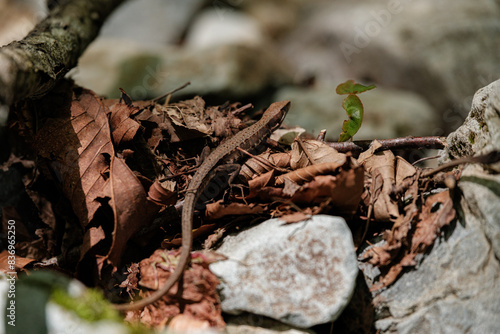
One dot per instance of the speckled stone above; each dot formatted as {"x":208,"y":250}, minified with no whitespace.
{"x":301,"y":274}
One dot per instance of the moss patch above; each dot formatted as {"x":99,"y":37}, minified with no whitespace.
{"x":90,"y":306}
{"x":472,"y":137}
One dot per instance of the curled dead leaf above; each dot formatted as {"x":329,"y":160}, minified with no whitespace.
{"x":218,"y":209}
{"x":308,"y":173}
{"x":6,"y":263}
{"x":123,"y":128}
{"x":255,"y":167}
{"x":380,"y":168}
{"x":163,"y":193}
{"x":310,"y":151}
{"x":437,"y":212}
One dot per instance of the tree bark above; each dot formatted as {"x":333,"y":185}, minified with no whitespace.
{"x":30,"y":68}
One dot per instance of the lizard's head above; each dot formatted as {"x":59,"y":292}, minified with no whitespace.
{"x":276,"y":113}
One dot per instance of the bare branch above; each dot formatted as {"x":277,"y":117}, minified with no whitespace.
{"x":404,"y":143}
{"x":31,"y":67}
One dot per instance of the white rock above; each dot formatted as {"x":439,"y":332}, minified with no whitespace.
{"x":301,"y":274}
{"x":223,"y":26}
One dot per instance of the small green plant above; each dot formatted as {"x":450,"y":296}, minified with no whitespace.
{"x":353,"y":106}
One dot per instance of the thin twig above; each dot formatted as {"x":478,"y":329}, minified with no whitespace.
{"x":368,"y":217}
{"x":489,"y":158}
{"x":241,"y":109}
{"x":424,"y":159}
{"x":306,"y":151}
{"x":405,"y":143}
{"x":263,"y":161}
{"x":321,"y":135}
{"x":159,"y":98}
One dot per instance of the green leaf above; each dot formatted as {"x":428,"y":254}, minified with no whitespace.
{"x":350,"y":87}
{"x":354,"y":108}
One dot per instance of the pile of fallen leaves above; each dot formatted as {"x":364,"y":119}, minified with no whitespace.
{"x":105,"y":179}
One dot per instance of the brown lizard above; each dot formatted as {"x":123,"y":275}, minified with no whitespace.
{"x":228,"y":152}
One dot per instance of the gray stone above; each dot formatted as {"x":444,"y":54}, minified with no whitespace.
{"x":444,"y":50}
{"x":454,"y":290}
{"x":456,"y":286}
{"x":480,"y":132}
{"x":301,"y":274}
{"x":257,"y":324}
{"x":389,"y":113}
{"x":230,"y":71}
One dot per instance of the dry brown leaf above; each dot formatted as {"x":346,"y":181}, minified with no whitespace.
{"x":163,"y":193}
{"x":402,"y":224}
{"x":347,"y":195}
{"x":200,"y":231}
{"x":343,"y":190}
{"x":290,"y":188}
{"x":91,"y":238}
{"x":78,"y":144}
{"x":381,"y":169}
{"x":437,"y":212}
{"x":404,"y":170}
{"x":281,"y":159}
{"x":199,"y":292}
{"x":76,"y":139}
{"x":186,"y":119}
{"x":123,"y":128}
{"x":153,"y":122}
{"x":218,"y":209}
{"x":254,"y":167}
{"x":389,"y":277}
{"x":14,"y":266}
{"x":132,"y":210}
{"x":222,"y":125}
{"x":270,"y":194}
{"x":295,"y":217}
{"x":308,"y":173}
{"x":399,"y":252}
{"x":318,"y":151}
{"x":374,"y":146}
{"x":130,"y":283}
{"x":255,"y":185}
